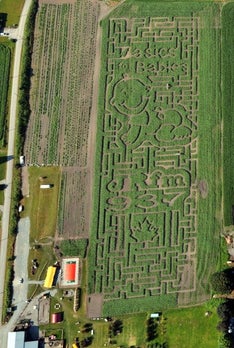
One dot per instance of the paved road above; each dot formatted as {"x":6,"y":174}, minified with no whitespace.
{"x":10,"y":153}
{"x":21,"y":272}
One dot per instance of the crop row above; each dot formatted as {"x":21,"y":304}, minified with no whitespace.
{"x":5,"y":56}
{"x":72,"y":215}
{"x":63,"y":61}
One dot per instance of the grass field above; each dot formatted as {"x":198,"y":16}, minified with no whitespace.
{"x":157,"y":211}
{"x":191,"y":328}
{"x":43,"y":202}
{"x":13,"y":9}
{"x":41,"y":206}
{"x":228,"y":112}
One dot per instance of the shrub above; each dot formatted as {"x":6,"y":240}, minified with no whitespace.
{"x":224,"y":310}
{"x":223,"y":326}
{"x":222,"y":282}
{"x":76,"y":247}
{"x":226,"y":341}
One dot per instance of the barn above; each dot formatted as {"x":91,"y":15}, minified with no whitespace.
{"x":70,"y":272}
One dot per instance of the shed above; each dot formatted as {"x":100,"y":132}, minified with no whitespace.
{"x":56,"y":317}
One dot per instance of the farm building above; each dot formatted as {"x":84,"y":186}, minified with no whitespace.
{"x":70,"y":273}
{"x":56,"y":317}
{"x":51,"y":271}
{"x":17,"y":340}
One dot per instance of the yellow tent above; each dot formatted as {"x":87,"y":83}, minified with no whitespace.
{"x":49,"y":277}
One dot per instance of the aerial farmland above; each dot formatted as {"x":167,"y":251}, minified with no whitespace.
{"x":131,"y":116}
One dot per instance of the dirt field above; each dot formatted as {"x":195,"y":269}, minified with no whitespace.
{"x":64,"y":94}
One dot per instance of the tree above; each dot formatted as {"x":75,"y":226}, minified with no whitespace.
{"x":151,"y":329}
{"x":223,"y":326}
{"x":222,"y":282}
{"x":224,"y":310}
{"x":226,"y":341}
{"x":115,"y":328}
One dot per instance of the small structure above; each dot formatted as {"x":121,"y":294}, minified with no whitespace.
{"x":51,"y":271}
{"x":46,"y":186}
{"x":155,"y":315}
{"x":56,"y":317}
{"x":22,"y":160}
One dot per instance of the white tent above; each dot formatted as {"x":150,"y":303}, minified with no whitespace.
{"x":15,"y":339}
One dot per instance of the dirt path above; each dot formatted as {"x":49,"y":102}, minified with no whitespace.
{"x":104,"y":10}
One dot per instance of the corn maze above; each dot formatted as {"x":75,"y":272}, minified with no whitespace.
{"x":144,"y":237}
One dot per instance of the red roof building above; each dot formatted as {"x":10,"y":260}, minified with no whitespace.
{"x":70,"y":272}
{"x":56,"y":317}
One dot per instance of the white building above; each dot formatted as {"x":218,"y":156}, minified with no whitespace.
{"x":16,"y":340}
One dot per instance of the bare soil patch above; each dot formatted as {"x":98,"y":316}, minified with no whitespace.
{"x":203,"y":188}
{"x":94,"y":305}
{"x":25,"y":183}
{"x":56,"y":2}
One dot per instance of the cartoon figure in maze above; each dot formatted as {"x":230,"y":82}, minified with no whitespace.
{"x":130,"y":99}
{"x":174,"y":127}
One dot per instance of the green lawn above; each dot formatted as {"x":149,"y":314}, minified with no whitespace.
{"x":42,"y":203}
{"x":191,"y":328}
{"x":13,"y":9}
{"x":41,"y":206}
